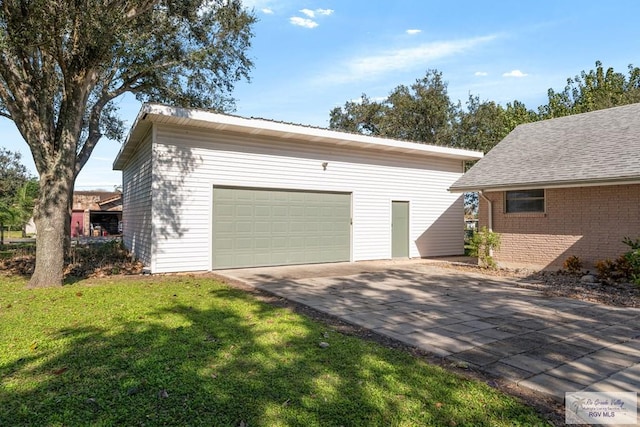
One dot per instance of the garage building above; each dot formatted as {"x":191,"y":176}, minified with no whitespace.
{"x":205,"y":191}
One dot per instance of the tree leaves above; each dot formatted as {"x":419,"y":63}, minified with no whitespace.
{"x":63,"y":64}
{"x":424,"y":113}
{"x":593,"y":90}
{"x":17,"y":191}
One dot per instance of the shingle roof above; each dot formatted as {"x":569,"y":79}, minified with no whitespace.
{"x":596,"y":147}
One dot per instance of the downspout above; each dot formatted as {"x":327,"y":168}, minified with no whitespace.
{"x":489,"y":216}
{"x":489,"y":210}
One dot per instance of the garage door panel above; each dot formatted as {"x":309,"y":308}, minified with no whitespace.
{"x":296,"y":211}
{"x":262,"y":211}
{"x":262,"y":227}
{"x":279,"y":211}
{"x":225,"y":244}
{"x":297,"y":226}
{"x":244,"y":227}
{"x":279,"y":242}
{"x":254,"y":227}
{"x":296,"y":243}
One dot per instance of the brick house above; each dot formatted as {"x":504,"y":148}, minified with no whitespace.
{"x":96,"y":213}
{"x":562,"y":187}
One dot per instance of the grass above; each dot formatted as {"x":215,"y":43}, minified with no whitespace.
{"x":187,"y":350}
{"x":12,"y":234}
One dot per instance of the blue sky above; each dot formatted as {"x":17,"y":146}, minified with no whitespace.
{"x":311,"y":56}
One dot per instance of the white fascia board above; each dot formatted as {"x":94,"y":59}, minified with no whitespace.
{"x":200,"y":118}
{"x":548,"y":185}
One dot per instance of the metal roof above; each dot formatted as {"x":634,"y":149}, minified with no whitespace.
{"x":156,"y":113}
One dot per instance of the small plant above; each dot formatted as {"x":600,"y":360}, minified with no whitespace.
{"x":482,"y":244}
{"x":632,"y":258}
{"x":605,"y":268}
{"x":573,"y":265}
{"x":625,"y":267}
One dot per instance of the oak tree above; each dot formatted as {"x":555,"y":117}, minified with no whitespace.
{"x":63,"y":63}
{"x":593,"y":90}
{"x":421,"y":112}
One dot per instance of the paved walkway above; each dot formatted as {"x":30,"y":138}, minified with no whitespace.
{"x":548,"y":344}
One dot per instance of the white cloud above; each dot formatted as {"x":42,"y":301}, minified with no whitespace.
{"x":310,"y":13}
{"x":303,"y":22}
{"x":480,"y":73}
{"x":515,"y":73}
{"x":413,"y":31}
{"x":308,"y":22}
{"x":256,"y":4}
{"x":267,"y":11}
{"x":325,"y":12}
{"x":405,"y":59}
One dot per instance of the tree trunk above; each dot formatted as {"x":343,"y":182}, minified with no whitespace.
{"x":51,"y":216}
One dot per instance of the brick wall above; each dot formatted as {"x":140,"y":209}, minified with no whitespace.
{"x":588,"y":222}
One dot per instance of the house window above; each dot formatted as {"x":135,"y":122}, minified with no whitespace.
{"x":524,"y":201}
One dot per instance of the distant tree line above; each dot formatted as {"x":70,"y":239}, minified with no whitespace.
{"x":18,"y":190}
{"x":423,"y":112}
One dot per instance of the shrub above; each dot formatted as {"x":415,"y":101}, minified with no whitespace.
{"x":100,"y":259}
{"x":573,"y":264}
{"x":87,"y":260}
{"x":632,"y":257}
{"x":625,"y":267}
{"x":605,"y":269}
{"x":481,"y":245}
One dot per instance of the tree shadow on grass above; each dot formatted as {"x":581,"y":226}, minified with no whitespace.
{"x":236,"y":362}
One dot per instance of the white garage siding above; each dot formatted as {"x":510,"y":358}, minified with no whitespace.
{"x":189,"y":162}
{"x":136,"y":203}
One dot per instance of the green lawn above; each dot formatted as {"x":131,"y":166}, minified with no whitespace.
{"x":188,"y":350}
{"x":13,"y":234}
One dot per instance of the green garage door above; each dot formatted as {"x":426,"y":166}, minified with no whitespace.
{"x":256,"y":227}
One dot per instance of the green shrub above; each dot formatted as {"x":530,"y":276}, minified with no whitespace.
{"x":481,"y":245}
{"x":626,"y":267}
{"x":633,"y":259}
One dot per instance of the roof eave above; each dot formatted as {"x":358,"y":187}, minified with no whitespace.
{"x":138,"y":130}
{"x":156,"y":113}
{"x":549,"y":184}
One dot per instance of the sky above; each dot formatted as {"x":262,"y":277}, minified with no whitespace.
{"x":312,"y":56}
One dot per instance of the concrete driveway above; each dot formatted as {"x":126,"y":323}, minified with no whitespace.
{"x":548,"y":344}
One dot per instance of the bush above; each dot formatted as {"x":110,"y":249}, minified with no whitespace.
{"x":625,"y":267}
{"x":573,"y":265}
{"x":481,"y":245}
{"x":88,"y":260}
{"x":100,"y":259}
{"x":633,"y":259}
{"x":606,"y":269}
